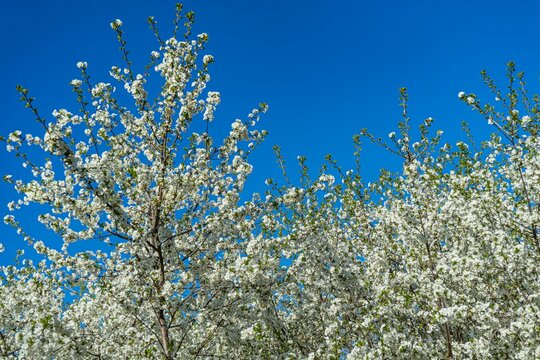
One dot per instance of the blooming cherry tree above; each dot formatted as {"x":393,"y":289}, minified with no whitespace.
{"x":162,"y":198}
{"x":438,"y":260}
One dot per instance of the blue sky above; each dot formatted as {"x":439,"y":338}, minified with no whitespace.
{"x":326,"y":68}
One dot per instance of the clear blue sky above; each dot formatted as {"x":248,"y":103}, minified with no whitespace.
{"x":326,"y":68}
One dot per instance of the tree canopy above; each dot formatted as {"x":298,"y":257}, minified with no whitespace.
{"x":437,"y":260}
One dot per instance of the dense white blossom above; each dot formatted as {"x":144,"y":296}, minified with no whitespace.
{"x":437,"y":260}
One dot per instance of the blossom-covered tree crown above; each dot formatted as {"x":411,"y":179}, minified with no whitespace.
{"x":438,"y":260}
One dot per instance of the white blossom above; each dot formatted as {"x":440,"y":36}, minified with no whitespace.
{"x":76,"y":82}
{"x":438,"y":259}
{"x":207,"y":59}
{"x":116,"y":24}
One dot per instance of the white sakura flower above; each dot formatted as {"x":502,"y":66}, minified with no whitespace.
{"x":12,"y":205}
{"x":461,"y":94}
{"x":82,"y":65}
{"x":76,"y":82}
{"x":392,"y":135}
{"x":9,"y":219}
{"x":39,"y":246}
{"x":212,"y":101}
{"x":99,"y":89}
{"x":213,"y":97}
{"x":15,"y":136}
{"x":327,"y":178}
{"x":470,"y":100}
{"x":155,"y":54}
{"x":207,"y":59}
{"x":497,"y":98}
{"x":203,"y":37}
{"x":116,"y":24}
{"x":293,"y":195}
{"x":47,"y":175}
{"x":526,"y":120}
